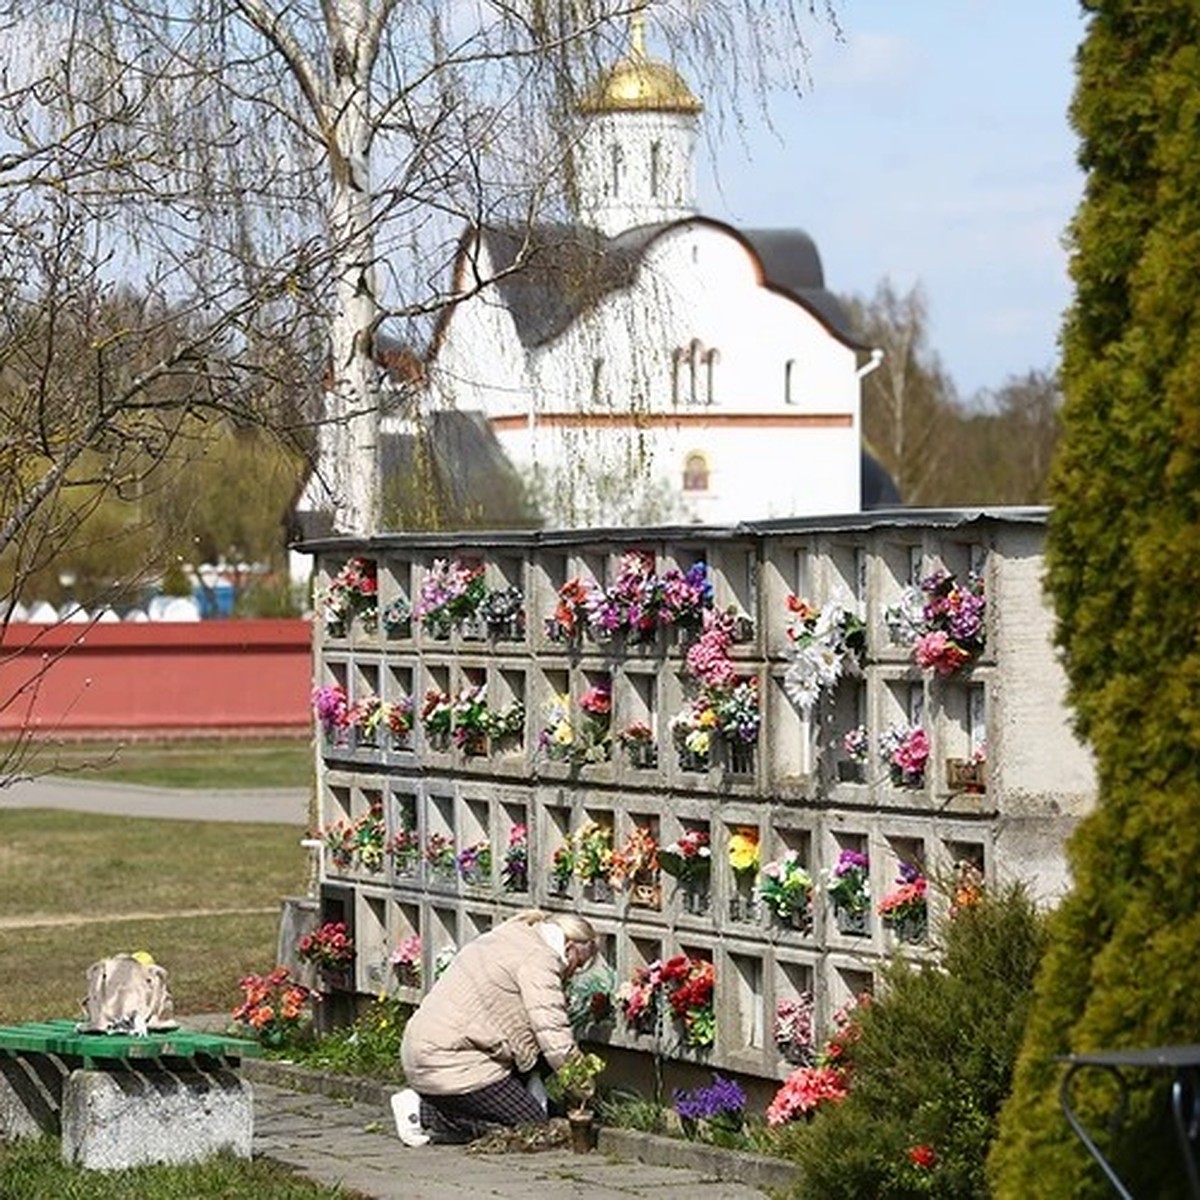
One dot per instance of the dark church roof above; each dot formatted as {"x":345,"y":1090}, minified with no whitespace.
{"x":562,"y":270}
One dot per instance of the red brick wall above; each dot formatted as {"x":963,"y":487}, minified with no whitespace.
{"x":200,"y":678}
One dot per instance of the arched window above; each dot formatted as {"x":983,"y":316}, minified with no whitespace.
{"x":694,"y":352}
{"x":710,"y":375}
{"x":598,"y":396}
{"x":655,"y":167}
{"x":695,"y":472}
{"x":616,"y":167}
{"x":789,"y":382}
{"x":677,"y":357}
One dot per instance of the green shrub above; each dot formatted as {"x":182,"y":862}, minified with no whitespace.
{"x":932,"y":1067}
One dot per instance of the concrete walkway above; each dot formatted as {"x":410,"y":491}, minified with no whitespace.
{"x":354,"y":1144}
{"x":283,"y":806}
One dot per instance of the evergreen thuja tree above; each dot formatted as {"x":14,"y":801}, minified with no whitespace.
{"x":1122,"y":969}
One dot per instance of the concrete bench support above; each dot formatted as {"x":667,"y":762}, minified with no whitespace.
{"x":129,"y":1118}
{"x":30,"y":1095}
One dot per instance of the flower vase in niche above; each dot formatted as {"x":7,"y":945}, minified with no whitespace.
{"x":598,"y":891}
{"x":966,"y":775}
{"x":696,"y":899}
{"x":646,"y":892}
{"x":739,"y":757}
{"x":851,"y":923}
{"x":438,"y":626}
{"x":558,"y":885}
{"x":475,"y":744}
{"x":743,"y":908}
{"x":690,"y":760}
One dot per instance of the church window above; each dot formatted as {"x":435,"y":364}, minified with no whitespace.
{"x":695,"y":472}
{"x":677,"y":356}
{"x":694,"y":372}
{"x":615,"y":170}
{"x":655,"y":167}
{"x":790,"y":383}
{"x":598,"y":381}
{"x":710,"y":375}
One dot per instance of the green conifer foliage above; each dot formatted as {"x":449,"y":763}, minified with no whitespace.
{"x":1124,"y":571}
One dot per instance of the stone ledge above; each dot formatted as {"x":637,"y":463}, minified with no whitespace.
{"x":756,"y":1170}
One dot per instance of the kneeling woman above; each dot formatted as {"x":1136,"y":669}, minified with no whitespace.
{"x":478,"y":1033}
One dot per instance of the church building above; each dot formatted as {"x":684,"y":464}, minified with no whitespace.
{"x":646,"y":363}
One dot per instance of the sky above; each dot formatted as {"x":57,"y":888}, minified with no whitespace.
{"x":932,"y":148}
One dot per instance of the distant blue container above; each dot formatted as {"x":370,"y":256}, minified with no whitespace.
{"x":215,"y":602}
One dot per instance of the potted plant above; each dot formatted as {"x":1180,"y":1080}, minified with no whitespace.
{"x":276,"y":1009}
{"x":943,"y":622}
{"x":352,"y":592}
{"x":406,"y":958}
{"x":576,"y":1079}
{"x":593,"y":856}
{"x":450,"y":594}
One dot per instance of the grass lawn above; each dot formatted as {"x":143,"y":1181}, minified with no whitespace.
{"x":33,"y":1170}
{"x":140,"y":878}
{"x":222,"y":763}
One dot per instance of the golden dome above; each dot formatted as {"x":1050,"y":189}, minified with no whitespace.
{"x":638,"y":83}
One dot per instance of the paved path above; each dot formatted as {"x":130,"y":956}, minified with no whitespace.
{"x":279,"y":806}
{"x":355,"y":1145}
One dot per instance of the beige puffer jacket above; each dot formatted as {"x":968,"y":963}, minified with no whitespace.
{"x":499,"y":1004}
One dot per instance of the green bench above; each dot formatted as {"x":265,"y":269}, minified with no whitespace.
{"x":118,"y":1100}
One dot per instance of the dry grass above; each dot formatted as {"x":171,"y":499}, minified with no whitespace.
{"x":98,"y":880}
{"x":198,"y":763}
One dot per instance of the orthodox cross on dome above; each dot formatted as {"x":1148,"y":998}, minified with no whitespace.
{"x":637,"y":34}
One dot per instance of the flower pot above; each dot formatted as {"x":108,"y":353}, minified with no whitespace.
{"x":963,"y":775}
{"x":643,"y":756}
{"x":739,"y":758}
{"x":689,"y":760}
{"x":696,"y":900}
{"x":475,"y":744}
{"x":743,"y":909}
{"x":798,"y":922}
{"x":558,"y":885}
{"x":472,"y":628}
{"x":438,"y":626}
{"x":912,"y":928}
{"x":851,"y":771}
{"x":646,"y":895}
{"x":598,"y":891}
{"x":583,"y":1132}
{"x":401,"y":742}
{"x":508,"y":629}
{"x":853,"y":924}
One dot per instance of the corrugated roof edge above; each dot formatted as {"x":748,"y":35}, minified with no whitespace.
{"x":943,"y":518}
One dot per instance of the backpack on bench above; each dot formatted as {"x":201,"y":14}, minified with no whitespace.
{"x":127,"y":994}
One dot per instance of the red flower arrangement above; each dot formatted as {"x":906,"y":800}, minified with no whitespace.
{"x":274,"y":1007}
{"x":329,"y":947}
{"x":687,"y":986}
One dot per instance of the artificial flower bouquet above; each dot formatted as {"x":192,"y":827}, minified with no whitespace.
{"x":503,"y":612}
{"x":848,"y":883}
{"x":331,"y":705}
{"x":637,"y":740}
{"x":474,"y":863}
{"x":688,"y":858}
{"x":329,"y":948}
{"x":572,"y":612}
{"x":635,"y":865}
{"x":825,"y":644}
{"x":592,"y":852}
{"x":785,"y":887}
{"x":352,"y":592}
{"x":437,"y":711}
{"x":439,"y":855}
{"x":793,"y":1029}
{"x":404,"y":847}
{"x":275,"y":1009}
{"x":681,"y":987}
{"x":904,"y":750}
{"x":514,"y":873}
{"x":905,"y":908}
{"x":582,"y":740}
{"x":406,"y":959}
{"x":943,"y":620}
{"x":451,"y":592}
